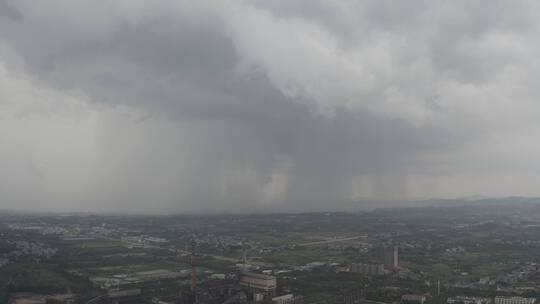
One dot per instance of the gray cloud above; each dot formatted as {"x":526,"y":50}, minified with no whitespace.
{"x":9,"y":11}
{"x":306,"y":105}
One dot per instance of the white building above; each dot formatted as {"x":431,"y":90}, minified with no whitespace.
{"x":257,"y":281}
{"x":287,"y":299}
{"x":514,"y":300}
{"x":413,"y":298}
{"x":468,"y":300}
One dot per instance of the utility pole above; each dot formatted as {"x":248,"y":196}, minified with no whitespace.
{"x":244,"y":256}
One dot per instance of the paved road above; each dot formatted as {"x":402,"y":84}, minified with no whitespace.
{"x":335,"y":240}
{"x":180,"y":251}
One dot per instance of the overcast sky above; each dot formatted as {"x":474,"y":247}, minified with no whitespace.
{"x":188,"y":106}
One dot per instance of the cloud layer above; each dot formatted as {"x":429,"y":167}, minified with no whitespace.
{"x":181,"y":106}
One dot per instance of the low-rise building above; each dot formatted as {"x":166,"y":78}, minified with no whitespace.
{"x":367,"y":268}
{"x":262,"y":282}
{"x":468,"y":300}
{"x":413,"y":299}
{"x":287,"y":299}
{"x":514,"y":300}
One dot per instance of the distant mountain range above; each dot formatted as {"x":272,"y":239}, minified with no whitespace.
{"x":366,"y":204}
{"x":343,"y":206}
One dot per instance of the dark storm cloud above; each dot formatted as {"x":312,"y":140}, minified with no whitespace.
{"x":9,"y":11}
{"x":182,"y":106}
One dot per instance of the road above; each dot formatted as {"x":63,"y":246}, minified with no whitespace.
{"x":334,"y":240}
{"x":184,"y":252}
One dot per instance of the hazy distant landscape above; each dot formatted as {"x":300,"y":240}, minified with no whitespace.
{"x":472,"y":248}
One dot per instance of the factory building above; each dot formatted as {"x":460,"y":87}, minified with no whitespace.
{"x":367,"y":268}
{"x":259,"y":282}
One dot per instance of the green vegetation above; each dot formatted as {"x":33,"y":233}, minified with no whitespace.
{"x":39,"y":278}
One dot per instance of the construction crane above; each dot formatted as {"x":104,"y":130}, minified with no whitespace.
{"x":244,"y":255}
{"x":190,"y":297}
